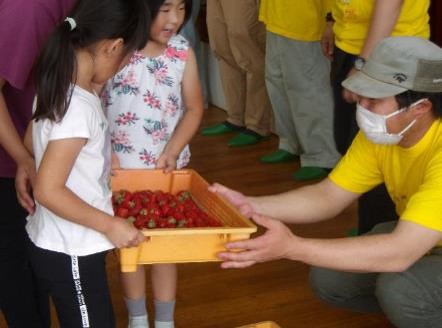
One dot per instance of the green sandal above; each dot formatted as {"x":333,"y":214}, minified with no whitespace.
{"x":306,"y":173}
{"x":246,"y":138}
{"x":220,"y":129}
{"x":279,"y":156}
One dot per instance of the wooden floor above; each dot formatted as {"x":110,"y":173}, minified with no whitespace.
{"x":210,"y":297}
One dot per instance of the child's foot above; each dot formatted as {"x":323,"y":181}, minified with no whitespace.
{"x":164,"y":324}
{"x":138,"y":322}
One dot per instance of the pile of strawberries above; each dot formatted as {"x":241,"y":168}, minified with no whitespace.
{"x":148,"y":209}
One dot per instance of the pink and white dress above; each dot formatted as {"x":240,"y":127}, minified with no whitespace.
{"x":143,"y":103}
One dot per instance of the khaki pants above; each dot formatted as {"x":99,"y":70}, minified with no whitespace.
{"x":238,"y":41}
{"x":298,"y":83}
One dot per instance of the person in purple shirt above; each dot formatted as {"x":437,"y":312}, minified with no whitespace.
{"x":24,"y":28}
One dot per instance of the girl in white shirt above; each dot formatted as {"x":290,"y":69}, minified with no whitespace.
{"x":73,"y":225}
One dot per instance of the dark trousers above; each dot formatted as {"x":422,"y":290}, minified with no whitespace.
{"x":376,"y":205}
{"x":19,"y":302}
{"x":77,"y":285}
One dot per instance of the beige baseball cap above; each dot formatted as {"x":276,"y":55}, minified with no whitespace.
{"x":396,"y":65}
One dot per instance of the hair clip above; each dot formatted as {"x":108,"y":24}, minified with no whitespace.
{"x":72,"y":22}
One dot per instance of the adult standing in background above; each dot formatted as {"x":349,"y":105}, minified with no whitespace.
{"x":353,"y":29}
{"x":24,"y":27}
{"x":190,"y":32}
{"x":238,"y":41}
{"x":296,"y":73}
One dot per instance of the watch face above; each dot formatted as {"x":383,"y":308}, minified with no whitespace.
{"x":359,"y":63}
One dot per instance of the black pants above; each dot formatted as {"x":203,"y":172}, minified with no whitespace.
{"x":78,"y":287}
{"x":19,"y":302}
{"x":376,"y":205}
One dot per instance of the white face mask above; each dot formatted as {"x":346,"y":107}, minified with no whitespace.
{"x":374,"y":126}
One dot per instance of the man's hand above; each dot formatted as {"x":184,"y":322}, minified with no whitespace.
{"x":328,"y":41}
{"x":24,"y":180}
{"x":276,"y":243}
{"x":237,"y":199}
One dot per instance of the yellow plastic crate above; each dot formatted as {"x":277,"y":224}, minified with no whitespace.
{"x":179,"y":245}
{"x":264,"y":324}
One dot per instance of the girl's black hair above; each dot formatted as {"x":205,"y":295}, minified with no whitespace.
{"x":409,"y":97}
{"x":154,"y":6}
{"x":96,"y":20}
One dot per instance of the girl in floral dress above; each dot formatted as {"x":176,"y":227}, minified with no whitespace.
{"x":154,"y":107}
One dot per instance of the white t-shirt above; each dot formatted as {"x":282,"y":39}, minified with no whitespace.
{"x":89,"y":178}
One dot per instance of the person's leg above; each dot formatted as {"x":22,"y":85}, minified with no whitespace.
{"x":78,"y":287}
{"x":19,"y":299}
{"x":353,"y":291}
{"x":247,"y":40}
{"x":344,"y":119}
{"x":233,"y":78}
{"x":307,"y":81}
{"x":274,"y":66}
{"x":134,"y":289}
{"x":375,"y":206}
{"x":190,"y":32}
{"x":413,"y":298}
{"x":164,"y":284}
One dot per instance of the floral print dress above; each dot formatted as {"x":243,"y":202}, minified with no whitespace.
{"x":143,"y":104}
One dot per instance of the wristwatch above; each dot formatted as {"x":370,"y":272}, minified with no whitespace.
{"x":359,"y":63}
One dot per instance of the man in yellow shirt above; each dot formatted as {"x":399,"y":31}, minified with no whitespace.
{"x":353,"y":30}
{"x":399,"y":112}
{"x":296,"y":72}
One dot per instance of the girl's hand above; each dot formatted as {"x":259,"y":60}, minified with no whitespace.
{"x":24,"y":181}
{"x":123,"y":234}
{"x":166,"y":162}
{"x":276,"y":243}
{"x":237,"y":199}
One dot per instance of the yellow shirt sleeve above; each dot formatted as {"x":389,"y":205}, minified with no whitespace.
{"x":358,"y":171}
{"x":425,"y":206}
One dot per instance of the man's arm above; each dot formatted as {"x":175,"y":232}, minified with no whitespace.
{"x":308,"y":204}
{"x":383,"y":20}
{"x":389,"y":252}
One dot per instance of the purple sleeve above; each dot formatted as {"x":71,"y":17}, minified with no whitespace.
{"x":24,"y":28}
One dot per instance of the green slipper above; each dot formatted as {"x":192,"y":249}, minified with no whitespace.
{"x":279,"y":156}
{"x":353,"y":232}
{"x":219,"y":129}
{"x":246,"y":138}
{"x":306,"y":173}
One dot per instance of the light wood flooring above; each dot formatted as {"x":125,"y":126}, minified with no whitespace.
{"x":210,"y":297}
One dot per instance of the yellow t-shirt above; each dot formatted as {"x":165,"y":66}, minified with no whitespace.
{"x":413,"y":176}
{"x":302,"y":20}
{"x":353,"y":18}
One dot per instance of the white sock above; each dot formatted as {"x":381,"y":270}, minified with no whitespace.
{"x":140,"y":321}
{"x":164,"y":324}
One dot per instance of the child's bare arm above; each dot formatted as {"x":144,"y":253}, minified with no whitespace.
{"x":52,"y":193}
{"x":194,"y":108}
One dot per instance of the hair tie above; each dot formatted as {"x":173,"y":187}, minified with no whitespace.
{"x":72,"y":22}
